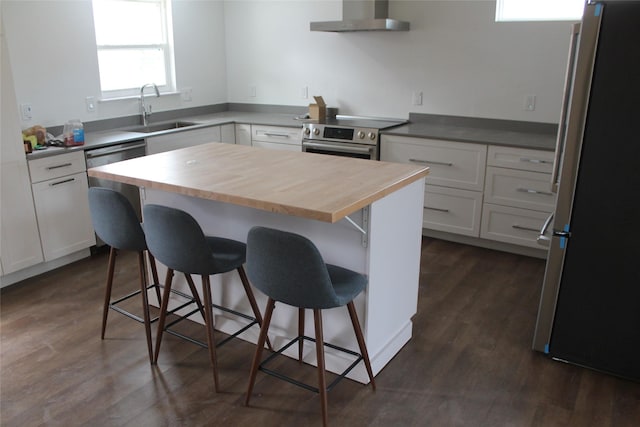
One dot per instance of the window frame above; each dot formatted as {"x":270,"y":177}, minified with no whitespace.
{"x":500,"y":7}
{"x":167,"y":47}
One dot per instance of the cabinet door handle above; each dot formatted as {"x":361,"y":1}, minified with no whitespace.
{"x":522,"y":227}
{"x":64,"y":165}
{"x":431,"y":162}
{"x":62,"y":182}
{"x":282,"y":135}
{"x":537,"y":161}
{"x":437,"y":209}
{"x":532,"y":191}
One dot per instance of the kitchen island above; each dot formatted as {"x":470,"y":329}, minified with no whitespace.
{"x":363,"y":215}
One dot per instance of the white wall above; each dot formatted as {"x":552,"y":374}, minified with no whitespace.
{"x":55,"y":65}
{"x":463,"y":62}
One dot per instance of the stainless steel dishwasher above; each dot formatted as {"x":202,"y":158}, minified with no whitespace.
{"x":111,"y":154}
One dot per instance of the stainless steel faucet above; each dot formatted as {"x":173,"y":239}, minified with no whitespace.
{"x":143,"y":107}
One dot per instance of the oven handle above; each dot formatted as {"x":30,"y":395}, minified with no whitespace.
{"x":342,"y":148}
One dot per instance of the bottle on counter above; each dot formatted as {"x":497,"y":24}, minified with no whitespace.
{"x":73,"y":133}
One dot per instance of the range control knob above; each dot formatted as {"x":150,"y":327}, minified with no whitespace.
{"x":307,"y":131}
{"x":316,"y":131}
{"x":372,"y":136}
{"x":361,"y":134}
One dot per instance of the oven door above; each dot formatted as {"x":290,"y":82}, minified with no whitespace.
{"x":369,"y":152}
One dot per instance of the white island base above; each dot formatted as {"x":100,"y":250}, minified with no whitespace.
{"x":389,"y":255}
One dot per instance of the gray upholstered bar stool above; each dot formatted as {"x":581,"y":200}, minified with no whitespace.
{"x":177,"y":240}
{"x":289,"y":268}
{"x":117,"y":224}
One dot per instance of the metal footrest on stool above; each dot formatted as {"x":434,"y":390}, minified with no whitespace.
{"x":113,"y":304}
{"x":253,"y":321}
{"x":299,"y":383}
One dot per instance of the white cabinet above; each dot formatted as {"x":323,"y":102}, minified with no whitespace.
{"x":276,"y":137}
{"x":59,"y":186}
{"x":243,"y":134}
{"x":228,"y":133}
{"x":453,"y":194}
{"x":189,"y":138}
{"x":517,"y":195}
{"x":19,"y":240}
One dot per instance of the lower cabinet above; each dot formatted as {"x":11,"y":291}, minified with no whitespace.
{"x":59,"y":185}
{"x":189,"y":138}
{"x":276,"y":137}
{"x":489,"y":193}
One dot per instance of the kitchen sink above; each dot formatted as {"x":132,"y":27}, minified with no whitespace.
{"x":157,"y":127}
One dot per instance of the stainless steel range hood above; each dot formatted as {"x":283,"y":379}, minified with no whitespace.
{"x":362,"y":15}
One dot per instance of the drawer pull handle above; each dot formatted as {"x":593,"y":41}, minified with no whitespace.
{"x":281,"y":135}
{"x":431,"y":162}
{"x":436,"y":209}
{"x":532,"y":191}
{"x":538,"y":161}
{"x":62,"y":182}
{"x":64,"y":165}
{"x":521,"y":227}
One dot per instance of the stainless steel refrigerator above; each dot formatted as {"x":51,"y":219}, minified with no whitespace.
{"x":589,"y":310}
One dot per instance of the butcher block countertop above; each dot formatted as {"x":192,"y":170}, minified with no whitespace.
{"x":314,"y":186}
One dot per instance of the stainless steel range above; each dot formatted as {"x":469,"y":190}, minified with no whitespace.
{"x":346,"y":136}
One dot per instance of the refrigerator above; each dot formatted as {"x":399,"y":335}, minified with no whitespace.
{"x":589,"y":312}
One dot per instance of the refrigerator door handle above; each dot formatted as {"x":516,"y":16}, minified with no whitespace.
{"x":564,"y":113}
{"x":542,"y":239}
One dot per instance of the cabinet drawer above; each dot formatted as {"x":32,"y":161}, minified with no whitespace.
{"x":452,"y":210}
{"x":512,"y":225}
{"x":177,"y":140}
{"x":64,"y":220}
{"x":56,"y":166}
{"x":523,"y":189}
{"x":277,"y":146}
{"x":277,"y":134}
{"x":451,"y":164}
{"x":520,"y":158}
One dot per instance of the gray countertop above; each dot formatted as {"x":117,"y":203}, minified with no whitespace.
{"x":120,"y":135}
{"x":486,"y":131}
{"x":465,"y":129}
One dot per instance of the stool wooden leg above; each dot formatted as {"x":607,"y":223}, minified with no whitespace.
{"x":259,"y":347}
{"x":208,"y":312}
{"x":300,"y":333}
{"x":361,"y":343}
{"x":154,"y":276}
{"x":322,"y":380}
{"x":163,"y":313}
{"x":252,"y":300}
{"x":113,"y":252}
{"x":145,"y":303}
{"x":194,"y":292}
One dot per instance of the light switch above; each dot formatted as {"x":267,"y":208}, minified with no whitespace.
{"x":529,"y":103}
{"x":90,"y":102}
{"x":26,"y":112}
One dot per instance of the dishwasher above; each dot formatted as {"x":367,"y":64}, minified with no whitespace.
{"x":111,"y":154}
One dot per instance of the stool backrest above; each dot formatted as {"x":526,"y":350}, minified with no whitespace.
{"x":289,"y":268}
{"x":114,"y":220}
{"x":176,"y":239}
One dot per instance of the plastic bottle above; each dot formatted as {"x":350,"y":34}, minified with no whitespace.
{"x":73,"y":133}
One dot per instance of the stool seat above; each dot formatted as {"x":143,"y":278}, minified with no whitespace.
{"x":288,"y":268}
{"x":176,"y":239}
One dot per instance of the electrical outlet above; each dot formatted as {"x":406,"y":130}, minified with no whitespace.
{"x":417,"y":98}
{"x":529,"y":103}
{"x":26,"y":111}
{"x":304,"y":92}
{"x":187,"y":94}
{"x":90,"y":102}
{"x":252,"y":91}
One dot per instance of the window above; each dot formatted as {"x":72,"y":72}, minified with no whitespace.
{"x":134,"y":43}
{"x":539,"y":10}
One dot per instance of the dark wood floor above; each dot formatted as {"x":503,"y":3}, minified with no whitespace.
{"x":468,"y":364}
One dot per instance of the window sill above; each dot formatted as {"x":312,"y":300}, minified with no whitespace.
{"x":124,"y":98}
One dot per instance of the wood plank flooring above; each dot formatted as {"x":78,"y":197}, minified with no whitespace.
{"x":469,"y":362}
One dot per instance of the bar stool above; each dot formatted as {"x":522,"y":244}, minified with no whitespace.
{"x":176,"y":240}
{"x":288,"y":268}
{"x":116,"y":223}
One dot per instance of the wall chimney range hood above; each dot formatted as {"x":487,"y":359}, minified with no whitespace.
{"x":362,"y":15}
